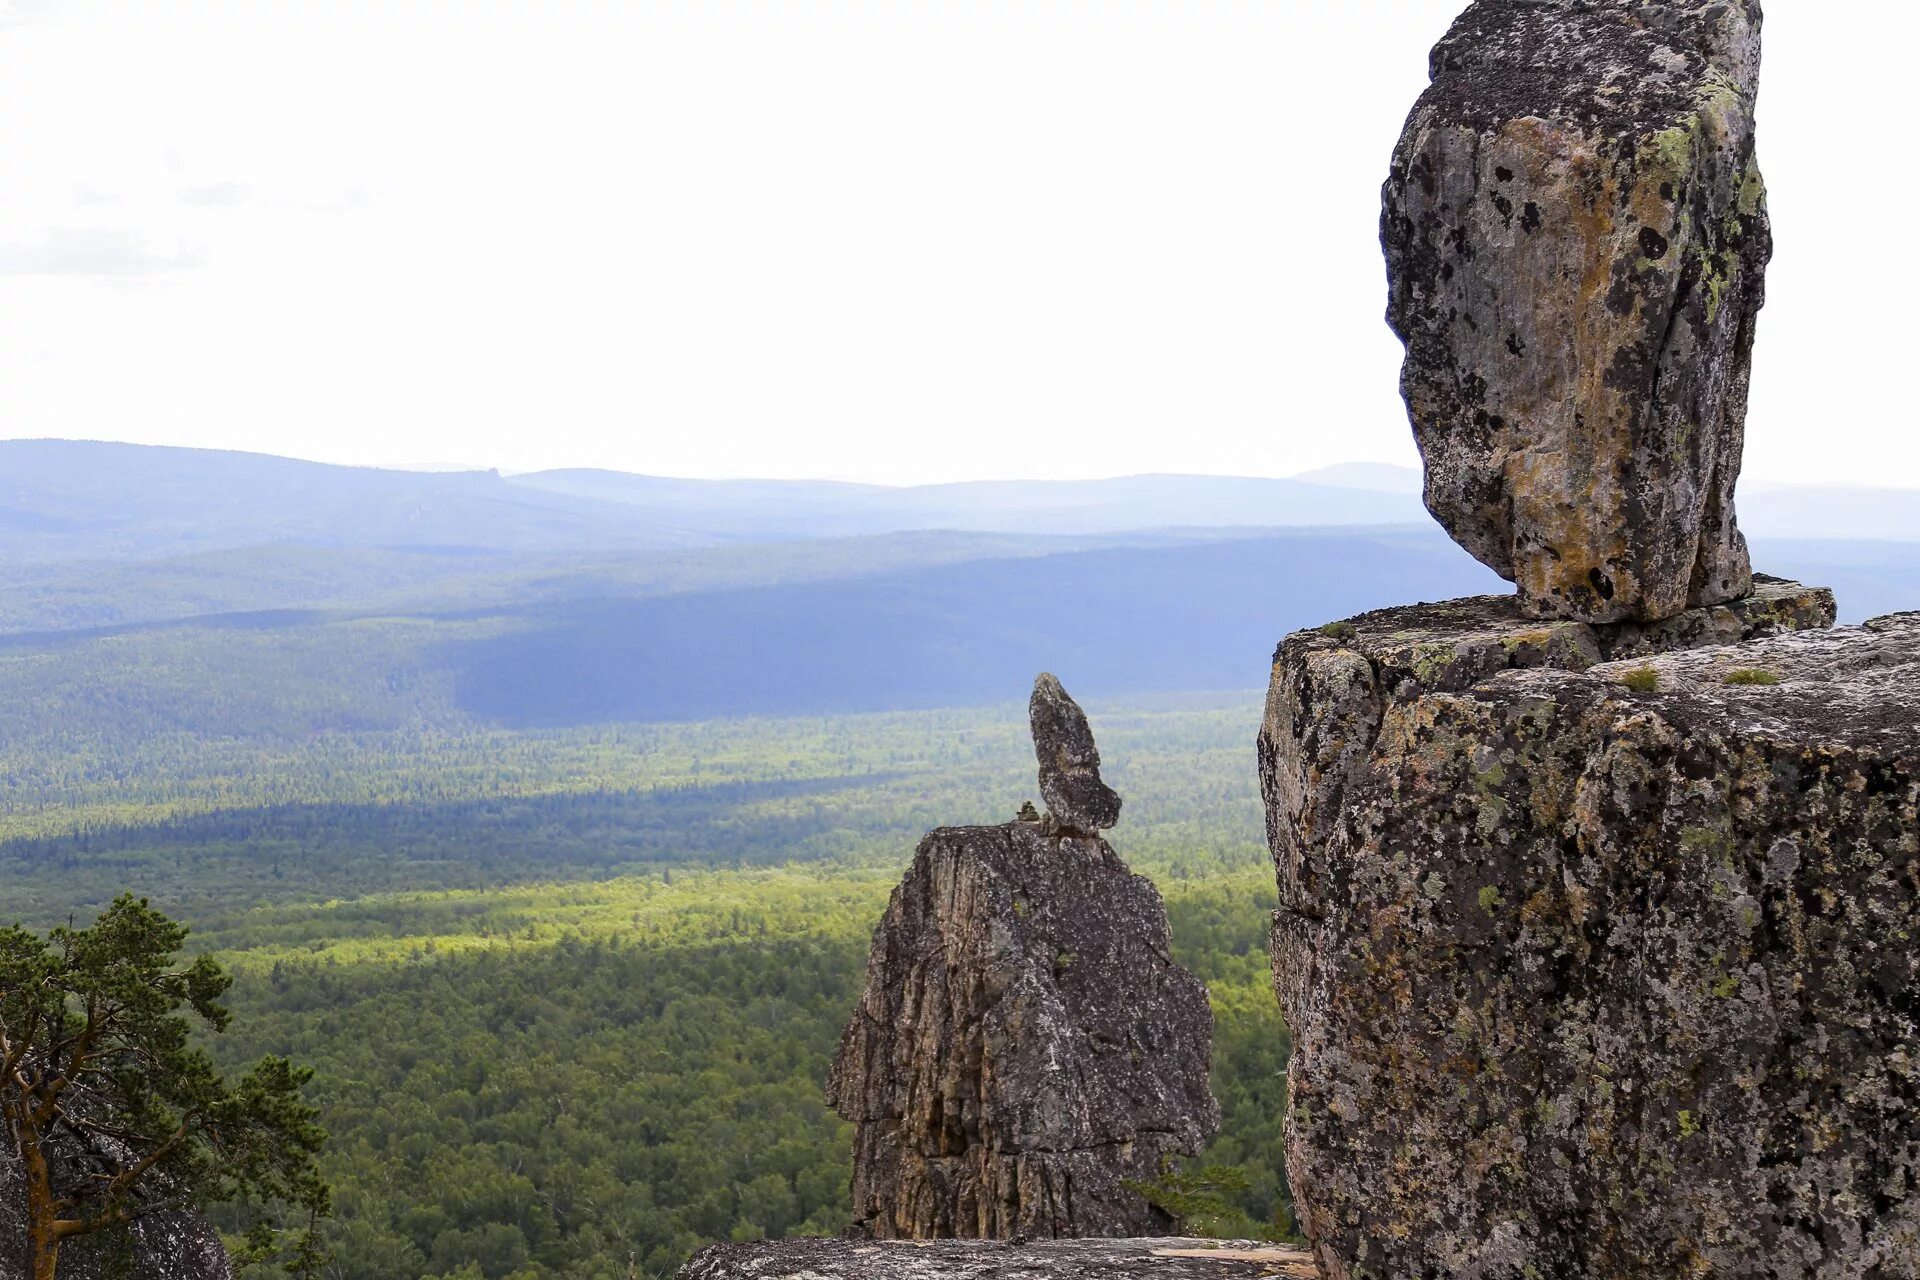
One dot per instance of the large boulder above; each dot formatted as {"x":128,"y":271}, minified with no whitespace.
{"x":1025,"y":1047}
{"x":1576,"y":236}
{"x":1605,"y":971}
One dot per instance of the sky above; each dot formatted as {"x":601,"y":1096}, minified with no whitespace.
{"x":880,"y":240}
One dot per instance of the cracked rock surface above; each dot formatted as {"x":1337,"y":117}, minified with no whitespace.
{"x":1024,"y":1047}
{"x":1069,"y":762}
{"x":1601,"y":968}
{"x":1157,"y":1259}
{"x":1576,"y":236}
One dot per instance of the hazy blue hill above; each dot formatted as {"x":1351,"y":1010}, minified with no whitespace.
{"x":777,"y":508}
{"x":1113,"y":621}
{"x":115,"y":594}
{"x":1868,"y":578}
{"x":809,"y":508}
{"x":869,"y":636}
{"x":71,"y":595}
{"x":68,"y":500}
{"x":795,"y":628}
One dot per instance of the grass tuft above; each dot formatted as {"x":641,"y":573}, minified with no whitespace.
{"x":1750,"y":675}
{"x":1641,"y":680}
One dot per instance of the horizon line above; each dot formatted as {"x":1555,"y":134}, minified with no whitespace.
{"x":513,"y":473}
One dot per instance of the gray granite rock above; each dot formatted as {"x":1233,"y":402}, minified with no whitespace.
{"x":1158,"y":1259}
{"x":1601,"y":969}
{"x":1025,"y":1045}
{"x":1576,"y":236}
{"x":1069,"y":762}
{"x":164,"y":1245}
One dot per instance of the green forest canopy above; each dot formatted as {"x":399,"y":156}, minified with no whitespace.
{"x":571,"y":994}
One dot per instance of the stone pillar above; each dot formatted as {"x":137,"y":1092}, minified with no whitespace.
{"x":1025,"y":1047}
{"x":1598,"y":943}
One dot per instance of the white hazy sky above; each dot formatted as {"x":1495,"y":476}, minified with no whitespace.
{"x":886,"y":240}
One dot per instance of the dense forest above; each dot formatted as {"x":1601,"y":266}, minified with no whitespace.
{"x":210,"y":824}
{"x":571,"y":994}
{"x":556,"y":1095}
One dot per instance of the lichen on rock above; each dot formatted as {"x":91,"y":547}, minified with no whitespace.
{"x":1576,"y":237}
{"x":1599,"y":977}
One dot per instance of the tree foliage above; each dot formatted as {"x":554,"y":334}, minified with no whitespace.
{"x":111,"y":1108}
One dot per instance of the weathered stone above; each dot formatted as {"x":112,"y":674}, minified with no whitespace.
{"x":1159,"y":1259}
{"x":1025,"y":1046}
{"x":1332,"y":688}
{"x":1606,"y":972}
{"x":167,"y":1244}
{"x":1069,"y":762}
{"x":1576,"y":237}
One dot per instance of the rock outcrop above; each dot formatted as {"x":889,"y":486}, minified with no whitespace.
{"x":1601,"y":968}
{"x":1079,"y":802}
{"x":1025,"y":1047}
{"x":1159,"y":1259}
{"x":164,"y":1245}
{"x":1576,"y":236}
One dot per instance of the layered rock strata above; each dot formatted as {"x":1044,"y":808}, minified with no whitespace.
{"x":1600,"y":959}
{"x":1159,"y":1259}
{"x":1025,"y":1048}
{"x":1576,"y":236}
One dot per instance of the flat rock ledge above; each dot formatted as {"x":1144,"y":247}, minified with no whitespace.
{"x":1601,"y":968}
{"x":1173,"y":1258}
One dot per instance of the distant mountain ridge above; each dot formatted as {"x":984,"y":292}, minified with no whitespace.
{"x":78,"y":500}
{"x":69,"y":500}
{"x":799,"y":508}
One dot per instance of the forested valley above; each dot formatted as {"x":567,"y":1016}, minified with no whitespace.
{"x":549,"y":820}
{"x":571,"y":994}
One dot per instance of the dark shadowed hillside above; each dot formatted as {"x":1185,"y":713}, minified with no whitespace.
{"x":1120,"y":620}
{"x":856,"y":637}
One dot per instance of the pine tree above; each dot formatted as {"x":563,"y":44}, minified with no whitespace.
{"x":110,"y":1108}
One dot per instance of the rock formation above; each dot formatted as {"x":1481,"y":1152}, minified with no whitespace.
{"x":1596,"y":935}
{"x":1079,"y":801}
{"x":1576,"y":236}
{"x":1026,"y":1046}
{"x":1164,"y":1259}
{"x":164,"y":1245}
{"x":1601,"y":968}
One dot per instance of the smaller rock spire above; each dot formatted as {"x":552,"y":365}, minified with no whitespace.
{"x":1078,"y":801}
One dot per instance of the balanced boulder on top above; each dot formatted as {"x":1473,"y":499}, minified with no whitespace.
{"x":1576,"y":237}
{"x":1069,"y":761}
